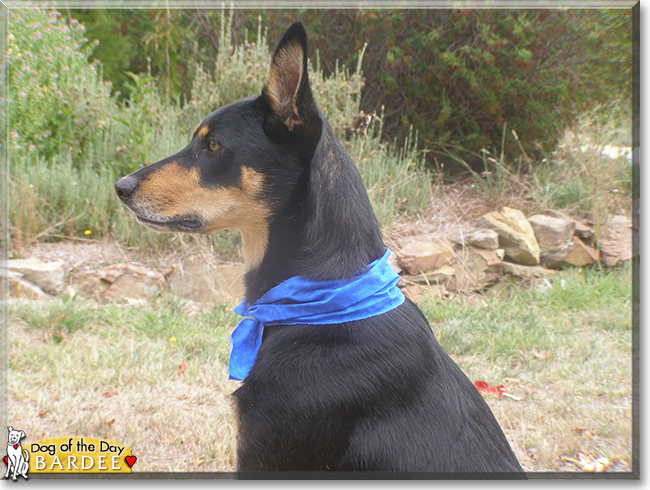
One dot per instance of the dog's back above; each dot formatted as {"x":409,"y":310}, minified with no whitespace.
{"x":375,"y":395}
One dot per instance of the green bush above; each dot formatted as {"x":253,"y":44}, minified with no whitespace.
{"x":58,"y":101}
{"x":240,"y":71}
{"x":394,"y":177}
{"x":64,"y":186}
{"x":458,"y":75}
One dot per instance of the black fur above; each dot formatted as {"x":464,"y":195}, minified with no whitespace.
{"x":372,"y":395}
{"x":378,"y":394}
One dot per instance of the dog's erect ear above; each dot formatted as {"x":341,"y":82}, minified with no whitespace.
{"x":10,"y":428}
{"x":287,"y":91}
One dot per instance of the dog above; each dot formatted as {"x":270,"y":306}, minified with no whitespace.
{"x":370,"y":394}
{"x":17,"y":457}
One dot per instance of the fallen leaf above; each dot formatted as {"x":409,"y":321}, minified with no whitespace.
{"x":181,"y":368}
{"x":541,"y":355}
{"x":591,"y":464}
{"x":484,"y":387}
{"x":109,"y":394}
{"x":598,"y":465}
{"x":107,"y":422}
{"x":59,"y":318}
{"x":43,"y":413}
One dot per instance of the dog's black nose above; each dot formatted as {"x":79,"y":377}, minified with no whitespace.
{"x":125,"y":187}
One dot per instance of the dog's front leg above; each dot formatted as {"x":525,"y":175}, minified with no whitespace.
{"x":14,"y":461}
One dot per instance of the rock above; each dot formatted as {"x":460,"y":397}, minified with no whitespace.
{"x":616,"y":240}
{"x":47,"y":276}
{"x":420,"y":257}
{"x":490,"y":257}
{"x":582,"y":229}
{"x":551,"y":233}
{"x":483,"y":238}
{"x":419,"y":293}
{"x":393,"y":261}
{"x":498,"y":288}
{"x":475,"y":270}
{"x":413,"y":293}
{"x":516,"y":235}
{"x":18,"y":287}
{"x":219,"y":284}
{"x":522,"y":276}
{"x":575,"y":253}
{"x":436,"y":276}
{"x":526,"y":271}
{"x":120,"y":283}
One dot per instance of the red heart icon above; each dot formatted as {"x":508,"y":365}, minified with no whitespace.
{"x":130,"y":460}
{"x":15,"y":446}
{"x":6,"y":460}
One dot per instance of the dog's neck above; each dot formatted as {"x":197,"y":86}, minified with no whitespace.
{"x":327,"y":230}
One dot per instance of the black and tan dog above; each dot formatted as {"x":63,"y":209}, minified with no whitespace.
{"x":375,"y":394}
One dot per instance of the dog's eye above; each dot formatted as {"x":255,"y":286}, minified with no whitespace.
{"x":214,"y":146}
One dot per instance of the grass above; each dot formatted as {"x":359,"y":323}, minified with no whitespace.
{"x":155,"y":378}
{"x":589,"y":174}
{"x":563,"y":348}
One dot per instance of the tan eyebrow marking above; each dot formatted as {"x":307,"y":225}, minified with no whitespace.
{"x":203,"y":132}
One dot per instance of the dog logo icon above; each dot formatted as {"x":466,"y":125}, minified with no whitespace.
{"x":17,"y":458}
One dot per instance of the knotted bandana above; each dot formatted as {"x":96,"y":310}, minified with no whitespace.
{"x":301,"y":301}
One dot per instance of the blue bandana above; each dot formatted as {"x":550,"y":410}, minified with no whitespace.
{"x":300,"y":301}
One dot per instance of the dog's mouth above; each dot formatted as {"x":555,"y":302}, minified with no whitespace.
{"x":187,"y":224}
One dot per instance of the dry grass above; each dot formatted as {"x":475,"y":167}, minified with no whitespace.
{"x":451,"y":213}
{"x":166,"y":398}
{"x":155,"y":378}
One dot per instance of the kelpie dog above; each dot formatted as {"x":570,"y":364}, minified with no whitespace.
{"x":373,"y":393}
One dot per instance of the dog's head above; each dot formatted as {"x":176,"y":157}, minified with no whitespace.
{"x":14,"y":436}
{"x":241,"y":163}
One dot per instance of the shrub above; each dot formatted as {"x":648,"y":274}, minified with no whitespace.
{"x":64,"y":185}
{"x":394,"y":177}
{"x":590,"y":172}
{"x":240,"y":71}
{"x":58,"y":101}
{"x":458,"y":75}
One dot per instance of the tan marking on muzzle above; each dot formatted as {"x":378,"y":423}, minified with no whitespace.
{"x":176,"y":191}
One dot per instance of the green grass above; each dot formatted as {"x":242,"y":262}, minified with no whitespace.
{"x":536,"y":316}
{"x":563,"y":349}
{"x":579,"y":176}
